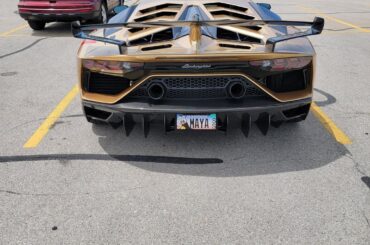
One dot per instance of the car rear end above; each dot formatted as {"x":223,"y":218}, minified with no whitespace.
{"x":266,"y":91}
{"x":194,"y":74}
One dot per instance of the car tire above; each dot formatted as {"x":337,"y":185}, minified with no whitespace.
{"x":103,"y":15}
{"x":37,"y":25}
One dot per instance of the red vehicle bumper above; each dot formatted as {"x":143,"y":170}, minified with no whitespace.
{"x":58,"y":10}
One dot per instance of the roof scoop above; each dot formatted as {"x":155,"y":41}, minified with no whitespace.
{"x":195,"y":35}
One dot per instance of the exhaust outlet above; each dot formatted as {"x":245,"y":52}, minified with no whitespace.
{"x":156,"y":91}
{"x":237,"y":90}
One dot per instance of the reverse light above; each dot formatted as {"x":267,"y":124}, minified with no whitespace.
{"x":281,"y":64}
{"x":112,"y":67}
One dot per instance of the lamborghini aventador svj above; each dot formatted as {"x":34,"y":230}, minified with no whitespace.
{"x":197,"y":65}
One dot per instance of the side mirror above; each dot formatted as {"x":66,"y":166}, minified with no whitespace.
{"x":265,"y":5}
{"x":119,"y":9}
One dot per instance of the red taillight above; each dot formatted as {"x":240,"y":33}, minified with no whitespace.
{"x":114,"y":67}
{"x":281,"y":64}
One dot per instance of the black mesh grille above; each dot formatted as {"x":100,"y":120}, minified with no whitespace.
{"x":196,"y":87}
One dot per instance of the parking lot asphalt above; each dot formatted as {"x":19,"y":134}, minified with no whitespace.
{"x":305,"y":183}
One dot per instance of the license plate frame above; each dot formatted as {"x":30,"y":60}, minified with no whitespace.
{"x":201,"y":122}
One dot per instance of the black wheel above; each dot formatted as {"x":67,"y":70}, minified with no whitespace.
{"x":37,"y":25}
{"x":103,"y":16}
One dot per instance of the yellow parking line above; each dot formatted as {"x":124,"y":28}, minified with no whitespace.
{"x":333,"y":129}
{"x":51,"y":119}
{"x":7,"y":33}
{"x":317,"y":11}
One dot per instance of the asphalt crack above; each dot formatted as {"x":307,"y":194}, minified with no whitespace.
{"x":7,"y":131}
{"x":23,"y":49}
{"x":9,"y":192}
{"x":356,"y":165}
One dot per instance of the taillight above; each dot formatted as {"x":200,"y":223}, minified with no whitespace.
{"x":281,"y":64}
{"x":113,"y":67}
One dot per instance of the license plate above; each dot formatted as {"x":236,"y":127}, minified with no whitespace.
{"x":196,"y":122}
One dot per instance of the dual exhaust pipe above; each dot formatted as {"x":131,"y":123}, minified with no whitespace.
{"x":156,"y":91}
{"x":236,"y":90}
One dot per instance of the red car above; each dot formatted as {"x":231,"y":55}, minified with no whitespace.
{"x":39,"y":12}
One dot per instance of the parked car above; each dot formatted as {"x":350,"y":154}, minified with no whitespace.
{"x":40,"y":12}
{"x":197,"y":65}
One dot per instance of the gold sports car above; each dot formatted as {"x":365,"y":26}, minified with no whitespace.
{"x":197,"y":65}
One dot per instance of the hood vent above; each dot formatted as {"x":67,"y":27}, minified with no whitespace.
{"x":211,"y":6}
{"x":163,"y":12}
{"x":221,"y":11}
{"x":166,"y":35}
{"x":134,"y":30}
{"x":221,"y":14}
{"x":235,"y":36}
{"x":156,"y":47}
{"x":157,"y":16}
{"x":173,"y":12}
{"x":227,"y":45}
{"x":160,"y":7}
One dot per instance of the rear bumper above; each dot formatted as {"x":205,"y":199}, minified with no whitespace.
{"x":59,"y":11}
{"x":263,"y":112}
{"x":59,"y":17}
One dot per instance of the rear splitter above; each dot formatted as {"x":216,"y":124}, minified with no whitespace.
{"x":264,"y":113}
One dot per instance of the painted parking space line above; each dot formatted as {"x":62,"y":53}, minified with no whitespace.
{"x":14,"y":30}
{"x":330,"y":17}
{"x":330,"y":126}
{"x":41,"y":132}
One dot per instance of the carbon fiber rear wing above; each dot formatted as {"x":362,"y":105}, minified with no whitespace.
{"x":315,"y":28}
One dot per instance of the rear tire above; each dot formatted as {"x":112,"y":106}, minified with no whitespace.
{"x":37,"y":25}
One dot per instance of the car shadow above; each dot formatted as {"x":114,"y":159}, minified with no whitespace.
{"x":292,"y":147}
{"x":55,"y":29}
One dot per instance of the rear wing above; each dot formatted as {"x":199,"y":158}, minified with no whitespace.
{"x":315,"y":28}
